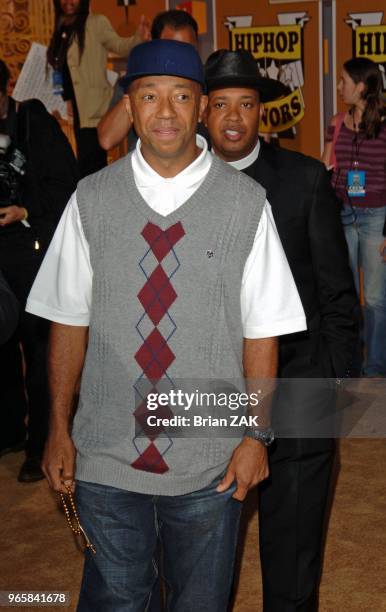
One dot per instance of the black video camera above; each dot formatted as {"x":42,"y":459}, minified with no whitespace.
{"x":12,"y":168}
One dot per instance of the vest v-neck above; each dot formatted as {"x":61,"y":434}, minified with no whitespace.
{"x":195,"y":200}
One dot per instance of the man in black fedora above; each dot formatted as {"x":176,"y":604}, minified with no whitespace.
{"x":292,"y":502}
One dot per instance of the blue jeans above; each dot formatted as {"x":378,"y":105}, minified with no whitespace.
{"x":198,"y":534}
{"x":363,"y":229}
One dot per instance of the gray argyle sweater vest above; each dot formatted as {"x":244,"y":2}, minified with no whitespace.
{"x":165,"y":307}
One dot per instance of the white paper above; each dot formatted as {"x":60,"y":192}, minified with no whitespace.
{"x":35,"y":81}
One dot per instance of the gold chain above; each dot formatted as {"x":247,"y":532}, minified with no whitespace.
{"x":77,"y":529}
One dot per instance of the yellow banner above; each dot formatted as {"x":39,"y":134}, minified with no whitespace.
{"x":370,"y":42}
{"x":283,"y":113}
{"x":276,"y":42}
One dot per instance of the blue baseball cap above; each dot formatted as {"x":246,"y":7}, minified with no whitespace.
{"x":163,"y":57}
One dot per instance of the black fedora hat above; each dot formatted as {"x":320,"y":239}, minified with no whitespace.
{"x":225,"y":68}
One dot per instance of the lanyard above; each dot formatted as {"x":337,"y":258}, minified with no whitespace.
{"x":356,"y":143}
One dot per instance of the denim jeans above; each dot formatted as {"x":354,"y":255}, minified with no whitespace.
{"x":363,"y":229}
{"x":198,"y":534}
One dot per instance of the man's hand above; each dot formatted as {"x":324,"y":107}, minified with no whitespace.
{"x":249,"y":466}
{"x":11,"y":214}
{"x":66,"y":353}
{"x":58,"y":462}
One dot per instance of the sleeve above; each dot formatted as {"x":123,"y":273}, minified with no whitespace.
{"x":112,"y":41}
{"x":270,"y":303}
{"x":9,"y":311}
{"x":63,"y":286}
{"x":339,"y":308}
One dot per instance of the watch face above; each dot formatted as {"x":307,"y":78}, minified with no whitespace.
{"x":265,"y":436}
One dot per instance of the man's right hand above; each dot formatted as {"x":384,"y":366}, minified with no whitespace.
{"x":12,"y":214}
{"x":58,"y":462}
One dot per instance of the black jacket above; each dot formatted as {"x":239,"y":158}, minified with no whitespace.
{"x":309,"y":225}
{"x":51,"y":171}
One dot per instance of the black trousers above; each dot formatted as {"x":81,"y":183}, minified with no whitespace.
{"x":19,"y":395}
{"x":292,"y":508}
{"x":293,"y":500}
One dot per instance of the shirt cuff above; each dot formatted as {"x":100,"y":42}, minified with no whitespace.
{"x":276,"y":328}
{"x":57,"y":316}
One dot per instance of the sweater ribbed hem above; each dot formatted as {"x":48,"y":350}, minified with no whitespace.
{"x":111,"y":473}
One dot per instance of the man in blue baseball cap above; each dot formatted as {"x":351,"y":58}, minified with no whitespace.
{"x":115,"y":125}
{"x":166,"y":272}
{"x":170,"y":132}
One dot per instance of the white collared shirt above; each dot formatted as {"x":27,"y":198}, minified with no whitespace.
{"x":245,"y":162}
{"x":270,"y":303}
{"x":165,"y":195}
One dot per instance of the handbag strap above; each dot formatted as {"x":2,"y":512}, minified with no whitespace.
{"x":338,"y":126}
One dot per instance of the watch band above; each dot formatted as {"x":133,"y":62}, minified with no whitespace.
{"x":265,"y":436}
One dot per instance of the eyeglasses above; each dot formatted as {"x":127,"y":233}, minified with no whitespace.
{"x":73,"y":518}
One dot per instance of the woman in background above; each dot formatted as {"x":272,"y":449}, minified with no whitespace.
{"x":356,"y":150}
{"x":78,"y":54}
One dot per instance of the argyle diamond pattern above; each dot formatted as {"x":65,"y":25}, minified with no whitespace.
{"x":155,"y":356}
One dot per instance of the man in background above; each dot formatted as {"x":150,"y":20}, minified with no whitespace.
{"x":116,"y":124}
{"x":38,"y":173}
{"x":292,"y":501}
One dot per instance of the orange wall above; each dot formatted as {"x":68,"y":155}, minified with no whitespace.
{"x":116,"y":13}
{"x":308,"y":130}
{"x":344,"y":32}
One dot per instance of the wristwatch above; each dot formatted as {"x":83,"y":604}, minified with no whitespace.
{"x":263,"y":435}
